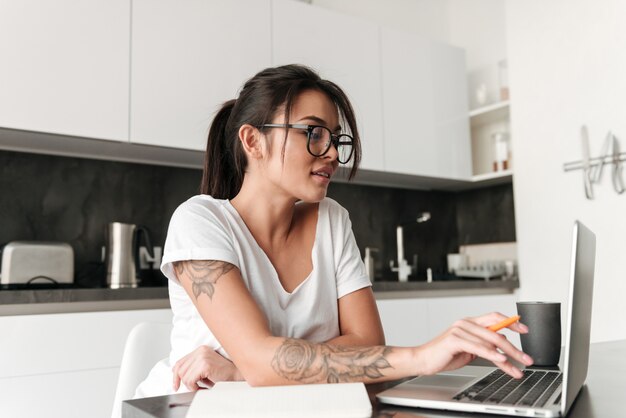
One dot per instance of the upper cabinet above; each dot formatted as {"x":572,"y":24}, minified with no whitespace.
{"x":154,"y":72}
{"x":342,"y":49}
{"x":65,"y":67}
{"x":188,"y":57}
{"x":425,"y":107}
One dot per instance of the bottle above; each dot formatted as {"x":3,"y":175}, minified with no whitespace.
{"x":501,"y":144}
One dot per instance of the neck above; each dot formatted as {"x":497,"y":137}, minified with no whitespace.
{"x":268,"y":214}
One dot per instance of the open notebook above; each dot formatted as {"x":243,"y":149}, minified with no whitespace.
{"x":238,"y":399}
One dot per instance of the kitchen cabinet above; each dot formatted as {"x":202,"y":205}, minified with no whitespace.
{"x":69,"y":363}
{"x":187,"y":59}
{"x":342,"y":49}
{"x":65,"y":67}
{"x":154,"y":72}
{"x":425,"y":109}
{"x":410,"y":322}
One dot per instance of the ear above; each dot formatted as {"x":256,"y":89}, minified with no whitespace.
{"x":252,"y":141}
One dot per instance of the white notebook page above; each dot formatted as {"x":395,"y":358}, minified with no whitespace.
{"x":238,"y":399}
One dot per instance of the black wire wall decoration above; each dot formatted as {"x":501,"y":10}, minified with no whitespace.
{"x":593,"y":168}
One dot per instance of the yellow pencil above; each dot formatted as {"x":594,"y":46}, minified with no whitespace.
{"x":504,"y":323}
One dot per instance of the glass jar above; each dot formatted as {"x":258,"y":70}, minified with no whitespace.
{"x":503,"y":79}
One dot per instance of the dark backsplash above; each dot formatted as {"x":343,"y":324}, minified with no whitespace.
{"x":72,"y":200}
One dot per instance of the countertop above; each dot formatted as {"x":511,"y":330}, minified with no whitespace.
{"x":40,"y":301}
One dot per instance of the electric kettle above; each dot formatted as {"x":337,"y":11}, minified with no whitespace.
{"x":122,"y":253}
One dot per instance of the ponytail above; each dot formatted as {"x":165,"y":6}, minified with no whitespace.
{"x":223,"y":168}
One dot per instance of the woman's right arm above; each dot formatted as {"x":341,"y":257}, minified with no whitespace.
{"x":221,"y":297}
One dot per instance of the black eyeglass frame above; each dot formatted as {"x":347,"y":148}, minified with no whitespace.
{"x":335,"y":139}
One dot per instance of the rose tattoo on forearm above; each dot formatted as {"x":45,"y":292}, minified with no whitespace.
{"x":306,"y":362}
{"x":203,"y":273}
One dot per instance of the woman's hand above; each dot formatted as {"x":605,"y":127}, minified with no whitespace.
{"x":467,"y":339}
{"x":203,"y":365}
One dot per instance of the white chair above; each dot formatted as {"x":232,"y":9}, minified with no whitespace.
{"x":147,"y":344}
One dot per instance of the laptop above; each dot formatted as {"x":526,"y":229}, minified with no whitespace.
{"x":544,"y":392}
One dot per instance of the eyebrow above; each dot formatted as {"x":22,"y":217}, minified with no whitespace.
{"x":319,"y":121}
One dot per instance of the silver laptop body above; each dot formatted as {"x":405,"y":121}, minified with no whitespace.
{"x":437,"y":392}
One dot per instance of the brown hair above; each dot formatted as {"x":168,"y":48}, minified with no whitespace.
{"x":259,"y":100}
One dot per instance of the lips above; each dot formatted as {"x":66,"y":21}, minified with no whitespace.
{"x":321,"y":173}
{"x":325,"y":172}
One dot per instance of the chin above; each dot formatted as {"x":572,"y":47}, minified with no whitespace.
{"x":313,"y":197}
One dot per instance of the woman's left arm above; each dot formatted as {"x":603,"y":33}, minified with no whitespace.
{"x":359,"y":322}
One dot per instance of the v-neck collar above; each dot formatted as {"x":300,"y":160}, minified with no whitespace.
{"x":246,"y":230}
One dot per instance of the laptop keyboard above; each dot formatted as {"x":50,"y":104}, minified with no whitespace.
{"x":533,"y":389}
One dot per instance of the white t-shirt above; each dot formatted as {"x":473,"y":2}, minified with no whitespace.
{"x":204,"y":228}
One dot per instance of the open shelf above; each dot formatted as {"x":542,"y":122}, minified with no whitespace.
{"x":489,"y":114}
{"x":485,"y":122}
{"x":496,"y":177}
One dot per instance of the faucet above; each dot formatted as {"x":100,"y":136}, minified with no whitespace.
{"x":403,"y":269}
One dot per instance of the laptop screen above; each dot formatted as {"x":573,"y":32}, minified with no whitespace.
{"x":579,"y":313}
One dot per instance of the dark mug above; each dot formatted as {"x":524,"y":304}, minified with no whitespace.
{"x":543,"y":340}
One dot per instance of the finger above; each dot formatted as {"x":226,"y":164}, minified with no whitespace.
{"x":509,"y":369}
{"x":197,"y":370}
{"x":519,"y":327}
{"x":183,"y":372}
{"x":488,"y":319}
{"x":464,"y":334}
{"x":191,"y":383}
{"x":176,"y":383}
{"x":208,"y":383}
{"x":497,"y":340}
{"x":176,"y":375}
{"x":478,"y":348}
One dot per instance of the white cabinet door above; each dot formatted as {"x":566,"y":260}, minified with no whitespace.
{"x":451,"y":111}
{"x":405,"y":321}
{"x":70,"y":362}
{"x":344,"y":50}
{"x":188,"y":57}
{"x":425,"y":107}
{"x":65,"y":67}
{"x":410,"y":322}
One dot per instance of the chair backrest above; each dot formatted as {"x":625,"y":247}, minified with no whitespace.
{"x":147,"y":343}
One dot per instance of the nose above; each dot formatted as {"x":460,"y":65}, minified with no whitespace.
{"x":332,"y":152}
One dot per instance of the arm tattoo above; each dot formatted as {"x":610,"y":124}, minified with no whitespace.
{"x":306,"y":362}
{"x":203,"y":273}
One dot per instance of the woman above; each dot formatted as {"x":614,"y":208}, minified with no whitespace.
{"x":264,"y":269}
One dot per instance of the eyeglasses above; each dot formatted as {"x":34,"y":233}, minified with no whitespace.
{"x":319,"y":139}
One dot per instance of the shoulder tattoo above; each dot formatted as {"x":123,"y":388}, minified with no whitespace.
{"x":306,"y":362}
{"x":204,"y":274}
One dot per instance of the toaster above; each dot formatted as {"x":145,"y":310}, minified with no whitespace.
{"x":37,"y":262}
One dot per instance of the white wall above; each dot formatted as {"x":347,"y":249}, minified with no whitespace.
{"x":567,"y":64}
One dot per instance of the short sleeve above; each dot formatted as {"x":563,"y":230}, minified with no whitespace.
{"x":351,"y":274}
{"x":198,"y":230}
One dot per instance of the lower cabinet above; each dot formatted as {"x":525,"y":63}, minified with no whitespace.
{"x":410,"y":322}
{"x":68,"y":363}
